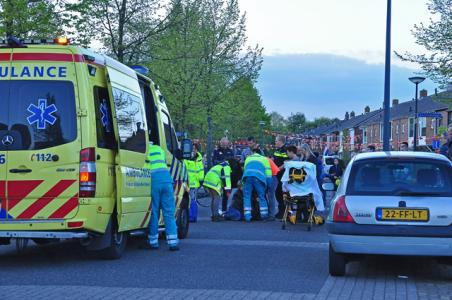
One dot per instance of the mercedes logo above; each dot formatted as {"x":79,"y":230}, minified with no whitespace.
{"x":7,"y":140}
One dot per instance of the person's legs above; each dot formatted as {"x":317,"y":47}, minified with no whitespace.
{"x":260,"y":188}
{"x":215,"y":204}
{"x":279,"y":198}
{"x":271,"y":197}
{"x":169,"y":209}
{"x":193,"y":205}
{"x":247,"y":192}
{"x":153,"y":237}
{"x":224,"y":202}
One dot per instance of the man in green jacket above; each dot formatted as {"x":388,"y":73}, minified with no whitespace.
{"x":195,"y":169}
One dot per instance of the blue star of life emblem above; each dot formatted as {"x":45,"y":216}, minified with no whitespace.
{"x":105,"y":118}
{"x":41,"y":114}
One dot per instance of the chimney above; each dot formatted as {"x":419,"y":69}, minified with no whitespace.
{"x":367,"y":109}
{"x":352,"y":114}
{"x":395,"y":102}
{"x":346,"y":116}
{"x":423,"y":93}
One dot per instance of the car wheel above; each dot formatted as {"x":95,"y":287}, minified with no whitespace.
{"x":183,"y":223}
{"x":117,"y":246}
{"x":337,"y":263}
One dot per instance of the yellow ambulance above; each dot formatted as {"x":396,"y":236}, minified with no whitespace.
{"x":75,"y":127}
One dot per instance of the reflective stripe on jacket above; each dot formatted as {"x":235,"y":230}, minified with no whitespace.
{"x":195,"y":169}
{"x":218,"y":177}
{"x":258,"y":166}
{"x":157,"y":164}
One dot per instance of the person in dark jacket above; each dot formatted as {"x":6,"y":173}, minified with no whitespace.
{"x":446,"y":148}
{"x":279,"y":156}
{"x":336,"y":171}
{"x":223,"y":154}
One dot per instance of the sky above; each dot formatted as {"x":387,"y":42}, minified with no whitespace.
{"x":325,"y":57}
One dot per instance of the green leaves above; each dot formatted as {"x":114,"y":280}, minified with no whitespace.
{"x":436,"y":38}
{"x":31,"y":18}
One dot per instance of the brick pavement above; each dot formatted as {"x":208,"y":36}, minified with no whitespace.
{"x":368,"y":279}
{"x":13,"y":292}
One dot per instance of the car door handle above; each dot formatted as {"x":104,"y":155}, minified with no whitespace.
{"x":20,"y":170}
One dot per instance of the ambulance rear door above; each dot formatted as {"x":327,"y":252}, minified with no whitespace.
{"x":44,"y":141}
{"x":133,"y":178}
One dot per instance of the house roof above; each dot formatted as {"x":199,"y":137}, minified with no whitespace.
{"x":399,"y":111}
{"x":406,"y":110}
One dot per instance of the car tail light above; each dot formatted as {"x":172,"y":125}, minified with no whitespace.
{"x":341,"y":213}
{"x":87,"y":173}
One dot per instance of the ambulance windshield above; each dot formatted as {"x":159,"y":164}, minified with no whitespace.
{"x":36,"y":114}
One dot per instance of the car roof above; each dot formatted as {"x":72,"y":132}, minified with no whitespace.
{"x":401,"y":154}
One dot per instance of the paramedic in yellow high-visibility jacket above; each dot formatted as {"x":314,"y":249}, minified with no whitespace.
{"x":257,"y":175}
{"x":195,"y":169}
{"x":162,"y":195}
{"x":217,"y":181}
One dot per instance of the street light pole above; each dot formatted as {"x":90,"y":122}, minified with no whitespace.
{"x":386,"y":105}
{"x":261,"y":125}
{"x":416,"y":80}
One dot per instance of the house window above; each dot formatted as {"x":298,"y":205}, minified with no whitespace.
{"x":423,"y":126}
{"x":381,"y":132}
{"x":411,"y":127}
{"x":365,"y":135}
{"x":403,"y":128}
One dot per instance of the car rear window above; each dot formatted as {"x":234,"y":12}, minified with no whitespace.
{"x":37,"y":114}
{"x":404,"y":177}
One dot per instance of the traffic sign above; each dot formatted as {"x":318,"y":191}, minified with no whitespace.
{"x":430,"y":115}
{"x":436,"y":144}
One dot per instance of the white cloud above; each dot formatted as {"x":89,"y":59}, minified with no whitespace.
{"x":354,"y":28}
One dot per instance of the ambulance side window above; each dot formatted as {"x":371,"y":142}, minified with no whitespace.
{"x":167,"y":129}
{"x":104,"y":125}
{"x":131,"y":121}
{"x":151,"y":113}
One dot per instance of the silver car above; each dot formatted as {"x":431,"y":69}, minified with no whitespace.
{"x":391,"y":203}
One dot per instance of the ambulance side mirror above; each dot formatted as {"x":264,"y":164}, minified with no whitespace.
{"x":187,"y":148}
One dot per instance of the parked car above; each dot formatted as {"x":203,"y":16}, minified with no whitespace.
{"x":391,"y":203}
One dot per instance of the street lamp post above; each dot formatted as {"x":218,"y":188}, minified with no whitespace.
{"x":416,"y":80}
{"x":387,"y":91}
{"x":261,"y":125}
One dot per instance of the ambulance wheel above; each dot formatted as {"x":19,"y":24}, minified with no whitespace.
{"x":118,"y":244}
{"x":183,"y":223}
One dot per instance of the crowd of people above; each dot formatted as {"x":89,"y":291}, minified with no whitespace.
{"x":247,"y":183}
{"x":241,"y":174}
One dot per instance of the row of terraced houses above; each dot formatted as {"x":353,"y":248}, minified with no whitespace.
{"x":357,"y":131}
